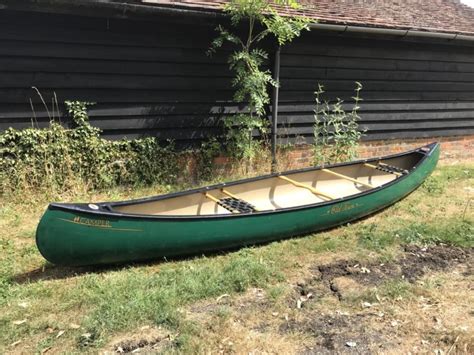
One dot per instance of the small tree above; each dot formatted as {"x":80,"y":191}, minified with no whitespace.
{"x":251,"y":81}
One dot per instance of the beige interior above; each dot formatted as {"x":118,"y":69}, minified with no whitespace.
{"x":275,"y":193}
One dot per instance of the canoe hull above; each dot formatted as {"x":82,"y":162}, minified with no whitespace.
{"x":71,"y":237}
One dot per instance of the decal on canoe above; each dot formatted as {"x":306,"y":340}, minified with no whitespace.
{"x":97,"y":223}
{"x":343,"y":207}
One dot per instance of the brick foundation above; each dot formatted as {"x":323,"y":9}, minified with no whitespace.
{"x":452,"y":149}
{"x":457,"y":148}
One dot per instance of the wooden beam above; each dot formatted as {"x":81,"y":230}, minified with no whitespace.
{"x":347,"y":178}
{"x":310,"y":188}
{"x":375,"y":167}
{"x":225,"y":192}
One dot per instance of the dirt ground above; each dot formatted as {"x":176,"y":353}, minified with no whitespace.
{"x":421,"y":302}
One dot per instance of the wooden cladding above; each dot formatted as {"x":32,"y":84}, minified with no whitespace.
{"x":154,"y":79}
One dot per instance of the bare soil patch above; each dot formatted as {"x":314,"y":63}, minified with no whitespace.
{"x":415,"y":262}
{"x":342,"y":333}
{"x":145,"y":340}
{"x":370,"y":330}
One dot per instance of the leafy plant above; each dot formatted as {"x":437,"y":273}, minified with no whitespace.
{"x":336,"y":132}
{"x":205,"y":159}
{"x":57,"y":159}
{"x":251,"y":80}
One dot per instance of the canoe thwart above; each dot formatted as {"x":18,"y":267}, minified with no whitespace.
{"x":348,"y":178}
{"x":310,"y":188}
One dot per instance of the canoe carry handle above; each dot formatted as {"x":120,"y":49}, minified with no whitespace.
{"x":348,"y":178}
{"x":310,"y":188}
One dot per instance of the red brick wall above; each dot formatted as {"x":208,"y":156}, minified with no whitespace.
{"x":458,"y":148}
{"x":452,"y":149}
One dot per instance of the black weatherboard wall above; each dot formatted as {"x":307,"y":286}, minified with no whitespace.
{"x":411,"y":89}
{"x":152,"y":78}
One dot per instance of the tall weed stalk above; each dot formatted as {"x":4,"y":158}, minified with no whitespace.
{"x":336,"y":131}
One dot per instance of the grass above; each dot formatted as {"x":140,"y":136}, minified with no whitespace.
{"x":39,"y":301}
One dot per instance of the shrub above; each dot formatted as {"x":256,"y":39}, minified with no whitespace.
{"x":56,"y":158}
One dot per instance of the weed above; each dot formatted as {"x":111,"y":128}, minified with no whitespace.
{"x":327,"y":243}
{"x":434,"y":185}
{"x":395,"y":289}
{"x":223,"y":313}
{"x":205,"y":159}
{"x":276,"y":292}
{"x":372,"y":238}
{"x":336,"y":132}
{"x":454,"y":231}
{"x":437,"y":182}
{"x":433,"y":283}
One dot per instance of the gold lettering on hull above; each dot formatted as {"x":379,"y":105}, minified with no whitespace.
{"x":342,"y":208}
{"x":102,"y":223}
{"x":97,"y":223}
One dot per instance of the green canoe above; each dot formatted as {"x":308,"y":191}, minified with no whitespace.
{"x":230,"y":215}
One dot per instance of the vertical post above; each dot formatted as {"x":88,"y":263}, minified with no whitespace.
{"x":276,"y":77}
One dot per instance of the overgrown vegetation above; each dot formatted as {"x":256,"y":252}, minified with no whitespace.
{"x":56,"y":158}
{"x":336,"y":131}
{"x":252,"y":81}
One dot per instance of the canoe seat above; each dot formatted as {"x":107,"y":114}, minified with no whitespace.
{"x":235,"y":204}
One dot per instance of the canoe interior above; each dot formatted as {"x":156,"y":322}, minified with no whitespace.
{"x":274,"y":193}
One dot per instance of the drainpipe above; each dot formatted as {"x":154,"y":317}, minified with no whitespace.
{"x":276,"y":77}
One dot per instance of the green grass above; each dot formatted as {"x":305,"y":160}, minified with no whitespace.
{"x":451,"y":231}
{"x":107,"y":302}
